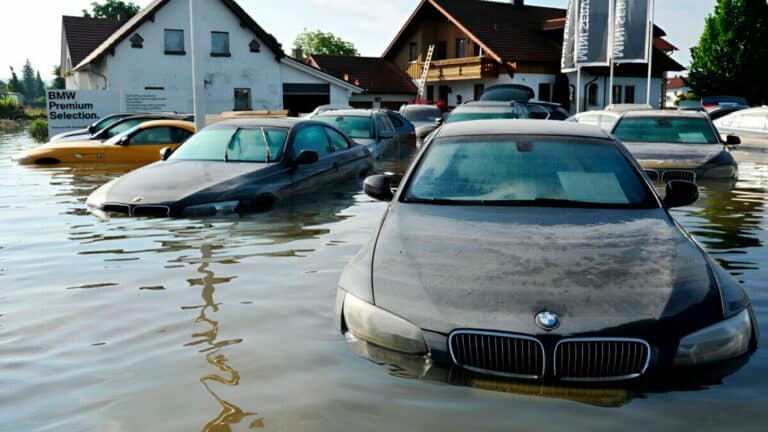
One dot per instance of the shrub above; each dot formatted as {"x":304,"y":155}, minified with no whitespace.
{"x":38,"y":129}
{"x":10,"y":110}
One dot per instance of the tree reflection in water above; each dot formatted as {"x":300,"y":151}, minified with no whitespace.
{"x":230,"y":414}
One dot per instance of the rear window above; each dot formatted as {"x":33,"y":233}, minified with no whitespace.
{"x":467,"y":113}
{"x":528,"y":170}
{"x":677,"y":130}
{"x":120,"y":128}
{"x":422,"y":113}
{"x":353,"y":126}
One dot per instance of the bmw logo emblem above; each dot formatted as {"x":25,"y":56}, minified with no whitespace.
{"x":547,"y":320}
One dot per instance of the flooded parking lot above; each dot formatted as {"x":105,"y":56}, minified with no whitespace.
{"x":227,"y":324}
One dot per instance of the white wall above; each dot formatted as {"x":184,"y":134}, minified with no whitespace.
{"x":603,"y":95}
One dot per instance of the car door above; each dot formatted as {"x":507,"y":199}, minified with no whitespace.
{"x":406,"y":132}
{"x":311,"y":176}
{"x":145,"y":144}
{"x":349,"y":159}
{"x":386,"y":142}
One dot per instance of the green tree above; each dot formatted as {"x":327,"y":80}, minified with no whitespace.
{"x":15,"y":85}
{"x":59,"y":82}
{"x":3,"y":90}
{"x":732,"y":56}
{"x":28,"y":78}
{"x":113,"y":9}
{"x":39,"y":86}
{"x":318,"y":42}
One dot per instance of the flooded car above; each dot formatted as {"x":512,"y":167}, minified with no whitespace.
{"x":750,"y":125}
{"x":237,"y":166}
{"x":677,"y":145}
{"x":370,"y":128}
{"x":548,"y":255}
{"x":139,"y":144}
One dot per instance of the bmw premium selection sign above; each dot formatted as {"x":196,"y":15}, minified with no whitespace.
{"x":593,"y":30}
{"x":630,"y":31}
{"x":568,"y":63}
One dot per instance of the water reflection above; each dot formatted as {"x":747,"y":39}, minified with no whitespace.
{"x":230,"y":414}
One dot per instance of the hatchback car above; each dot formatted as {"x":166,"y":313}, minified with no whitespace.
{"x":368,"y":127}
{"x":425,"y":118}
{"x":140,"y":144}
{"x":237,"y":166}
{"x":677,"y":145}
{"x":537,"y":249}
{"x":750,"y":125}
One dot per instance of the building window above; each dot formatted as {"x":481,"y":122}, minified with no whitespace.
{"x":461,"y":48}
{"x":220,"y":44}
{"x":479,"y":89}
{"x":629,"y":94}
{"x":137,"y":41}
{"x":242,"y":99}
{"x":413,"y":52}
{"x":477,"y":51}
{"x":255,"y":46}
{"x":617,"y":94}
{"x":174,"y":42}
{"x":441,"y":50}
{"x":592,"y":94}
{"x":545,"y":92}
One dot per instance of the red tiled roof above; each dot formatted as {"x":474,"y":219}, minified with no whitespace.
{"x":663,"y":44}
{"x":675,"y":83}
{"x":373,"y":74}
{"x":84,"y":34}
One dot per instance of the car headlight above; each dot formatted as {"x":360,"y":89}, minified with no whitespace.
{"x":382,"y":328}
{"x":211,"y":209}
{"x":727,"y":339}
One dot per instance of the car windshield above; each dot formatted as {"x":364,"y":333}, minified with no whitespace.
{"x":119,"y":128}
{"x":528,"y":170}
{"x":353,"y":126}
{"x":234,"y":145}
{"x":678,"y":130}
{"x":422,"y":113}
{"x":467,"y":113}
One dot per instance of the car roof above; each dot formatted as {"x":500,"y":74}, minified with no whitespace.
{"x":175,"y":123}
{"x":351,"y":112}
{"x":521,"y":127}
{"x":665,"y":113}
{"x":601,"y":112}
{"x":280,"y":122}
{"x":420,"y":107}
{"x":488,"y":103}
{"x":762,"y":109}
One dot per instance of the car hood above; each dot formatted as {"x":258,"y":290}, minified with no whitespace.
{"x":166,"y":182}
{"x":673,"y":156}
{"x":610,"y":271}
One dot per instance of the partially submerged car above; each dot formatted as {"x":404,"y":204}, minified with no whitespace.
{"x":121,"y":125}
{"x":508,"y":93}
{"x":140,"y":144}
{"x":750,"y":125}
{"x":93,"y":128}
{"x":539,"y":250}
{"x":677,"y":145}
{"x":236,"y":166}
{"x":368,"y":127}
{"x":425,"y":119}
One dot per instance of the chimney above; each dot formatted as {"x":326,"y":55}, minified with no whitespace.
{"x":298,"y":54}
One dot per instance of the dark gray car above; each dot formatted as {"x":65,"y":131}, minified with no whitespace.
{"x":425,"y":118}
{"x":237,"y":166}
{"x":538,"y":250}
{"x":677,"y":145}
{"x":368,"y":127}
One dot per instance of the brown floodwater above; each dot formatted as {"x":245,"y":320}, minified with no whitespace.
{"x":227,"y":324}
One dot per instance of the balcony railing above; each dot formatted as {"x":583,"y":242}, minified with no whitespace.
{"x":456,"y":69}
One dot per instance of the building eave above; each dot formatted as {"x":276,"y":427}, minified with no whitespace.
{"x":317,"y":73}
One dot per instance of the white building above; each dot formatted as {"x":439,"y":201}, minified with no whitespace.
{"x":242,"y":66}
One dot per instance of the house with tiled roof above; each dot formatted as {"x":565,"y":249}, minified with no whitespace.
{"x":240,"y":66}
{"x":480,"y":43}
{"x":676,"y":88}
{"x":384,"y":84}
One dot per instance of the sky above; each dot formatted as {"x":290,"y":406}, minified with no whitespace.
{"x":34,"y":30}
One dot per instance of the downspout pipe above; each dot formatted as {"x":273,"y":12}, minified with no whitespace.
{"x":92,"y":70}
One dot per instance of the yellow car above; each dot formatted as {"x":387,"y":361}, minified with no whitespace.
{"x":140,"y":144}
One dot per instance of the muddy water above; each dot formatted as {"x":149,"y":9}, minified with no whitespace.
{"x":227,"y":324}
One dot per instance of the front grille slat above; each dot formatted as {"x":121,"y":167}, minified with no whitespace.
{"x":498,"y":353}
{"x":595,"y":359}
{"x":678,"y":175}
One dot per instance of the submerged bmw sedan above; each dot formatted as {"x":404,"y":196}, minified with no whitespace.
{"x":236,"y":166}
{"x":538,"y":249}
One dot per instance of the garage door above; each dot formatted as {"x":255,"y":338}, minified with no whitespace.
{"x":304,"y":98}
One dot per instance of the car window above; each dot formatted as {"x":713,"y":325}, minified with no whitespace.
{"x":311,"y":138}
{"x":528,"y":170}
{"x":679,"y":130}
{"x":396,"y":122}
{"x":352,"y":126}
{"x":537,"y":112}
{"x":383,"y":123}
{"x":338,"y":141}
{"x":231,"y":144}
{"x":422,"y":113}
{"x":475,"y":112}
{"x":155,"y":135}
{"x":107,"y":121}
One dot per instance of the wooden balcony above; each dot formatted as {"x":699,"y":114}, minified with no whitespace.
{"x":456,"y":69}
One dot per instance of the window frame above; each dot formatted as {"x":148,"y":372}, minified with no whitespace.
{"x":328,"y":131}
{"x":228,"y":52}
{"x":166,"y":51}
{"x":250,"y":99}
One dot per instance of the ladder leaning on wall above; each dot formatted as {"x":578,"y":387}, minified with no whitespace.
{"x":425,"y":72}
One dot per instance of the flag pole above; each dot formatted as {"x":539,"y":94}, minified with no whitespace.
{"x":650,"y":55}
{"x":611,"y":37}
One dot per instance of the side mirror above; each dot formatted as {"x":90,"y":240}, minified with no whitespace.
{"x":306,"y":157}
{"x":386,"y":134}
{"x":732,"y":140}
{"x":124,"y":140}
{"x":680,"y":193}
{"x":379,"y":187}
{"x":165,"y":153}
